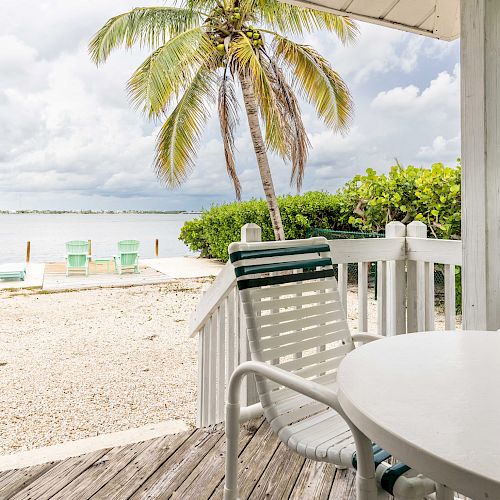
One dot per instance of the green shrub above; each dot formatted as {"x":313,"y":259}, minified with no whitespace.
{"x":221,"y":224}
{"x":432,"y":195}
{"x":366,"y":203}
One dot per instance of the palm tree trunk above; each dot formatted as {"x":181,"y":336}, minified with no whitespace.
{"x":261,"y":154}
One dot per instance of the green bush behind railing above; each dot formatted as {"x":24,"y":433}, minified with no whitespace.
{"x":366,"y":203}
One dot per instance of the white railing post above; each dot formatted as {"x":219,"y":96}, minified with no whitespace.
{"x":249,"y":233}
{"x":395,"y":289}
{"x":416,"y":284}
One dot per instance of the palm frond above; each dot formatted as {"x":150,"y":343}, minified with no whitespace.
{"x":318,"y":83}
{"x":246,"y":61}
{"x":147,"y":26}
{"x":168,"y":70}
{"x":228,"y":119}
{"x":179,"y":137}
{"x":206,"y":5}
{"x":295,"y":133}
{"x":295,"y":20}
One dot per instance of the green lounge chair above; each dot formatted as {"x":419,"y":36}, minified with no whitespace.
{"x":77,"y":257}
{"x":13,"y":271}
{"x":128,"y":256}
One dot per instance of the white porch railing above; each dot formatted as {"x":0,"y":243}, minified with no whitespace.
{"x":405,"y":303}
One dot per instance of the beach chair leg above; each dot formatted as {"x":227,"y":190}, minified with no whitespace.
{"x":444,"y":493}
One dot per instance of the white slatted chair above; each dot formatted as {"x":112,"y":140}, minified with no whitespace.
{"x":298,"y":335}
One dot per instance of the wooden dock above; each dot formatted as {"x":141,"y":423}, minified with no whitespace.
{"x":100,"y":276}
{"x":182,"y":466}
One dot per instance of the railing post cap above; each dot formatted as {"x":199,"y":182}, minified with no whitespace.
{"x":416,"y":229}
{"x":395,"y":229}
{"x":251,"y":232}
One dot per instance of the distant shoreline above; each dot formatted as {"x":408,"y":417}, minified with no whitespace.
{"x":99,"y":212}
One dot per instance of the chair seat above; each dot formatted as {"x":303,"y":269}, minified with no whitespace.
{"x":316,"y":432}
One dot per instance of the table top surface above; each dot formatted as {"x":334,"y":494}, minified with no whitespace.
{"x":433,"y":400}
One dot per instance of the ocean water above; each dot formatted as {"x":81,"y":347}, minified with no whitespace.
{"x":48,"y":233}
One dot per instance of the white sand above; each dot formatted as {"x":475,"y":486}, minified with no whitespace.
{"x":79,"y":364}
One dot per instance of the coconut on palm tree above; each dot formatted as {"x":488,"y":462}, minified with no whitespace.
{"x":201,"y":50}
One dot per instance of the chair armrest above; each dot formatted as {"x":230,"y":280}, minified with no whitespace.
{"x":295,"y":382}
{"x":365,"y":338}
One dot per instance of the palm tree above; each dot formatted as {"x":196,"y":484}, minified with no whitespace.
{"x":201,"y":50}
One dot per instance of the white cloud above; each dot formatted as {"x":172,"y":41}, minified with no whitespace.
{"x":69,"y":138}
{"x":440,"y":96}
{"x":445,"y":149}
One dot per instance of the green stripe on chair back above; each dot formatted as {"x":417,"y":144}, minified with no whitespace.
{"x":293,"y":313}
{"x":77,"y":247}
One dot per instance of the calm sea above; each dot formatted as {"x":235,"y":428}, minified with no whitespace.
{"x":48,"y":233}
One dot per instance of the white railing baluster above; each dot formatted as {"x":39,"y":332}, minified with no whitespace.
{"x":212,"y":370}
{"x":221,"y":361}
{"x":430,"y":297}
{"x":342,"y":283}
{"x":449,"y":297}
{"x":363,"y":296}
{"x":201,"y":396}
{"x":381,"y":298}
{"x":231,"y":335}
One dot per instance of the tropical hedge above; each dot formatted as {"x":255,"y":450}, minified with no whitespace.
{"x":366,"y":203}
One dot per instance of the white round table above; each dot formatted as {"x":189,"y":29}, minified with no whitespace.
{"x":433,"y":401}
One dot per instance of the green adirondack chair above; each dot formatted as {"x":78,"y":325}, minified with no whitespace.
{"x":13,"y":271}
{"x":77,"y":257}
{"x":128,"y":256}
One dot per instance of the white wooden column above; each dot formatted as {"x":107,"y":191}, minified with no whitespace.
{"x":480,"y":70}
{"x":415,"y":278}
{"x":396,"y":285}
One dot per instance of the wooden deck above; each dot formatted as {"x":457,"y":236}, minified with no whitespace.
{"x":100,"y":276}
{"x":182,"y":466}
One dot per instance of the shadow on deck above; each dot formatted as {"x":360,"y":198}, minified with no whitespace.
{"x":182,"y":466}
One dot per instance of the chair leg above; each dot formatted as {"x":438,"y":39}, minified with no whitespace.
{"x":444,"y":493}
{"x":232,"y":438}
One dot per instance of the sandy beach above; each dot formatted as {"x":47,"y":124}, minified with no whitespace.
{"x":79,"y":364}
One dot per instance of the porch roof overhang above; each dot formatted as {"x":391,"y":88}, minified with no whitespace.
{"x":433,"y":18}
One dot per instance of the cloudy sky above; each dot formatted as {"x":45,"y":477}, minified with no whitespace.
{"x":69,"y":138}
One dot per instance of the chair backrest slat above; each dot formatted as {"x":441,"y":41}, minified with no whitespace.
{"x":128,"y":250}
{"x":293,"y":312}
{"x":77,"y":247}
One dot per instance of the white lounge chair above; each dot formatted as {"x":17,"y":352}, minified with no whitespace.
{"x":13,"y":271}
{"x":298,"y":335}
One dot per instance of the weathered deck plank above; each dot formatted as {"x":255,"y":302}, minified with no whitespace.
{"x":11,"y":482}
{"x":101,"y":472}
{"x":49,"y":484}
{"x":315,"y":481}
{"x":170,"y":476}
{"x":182,"y":466}
{"x":131,"y":478}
